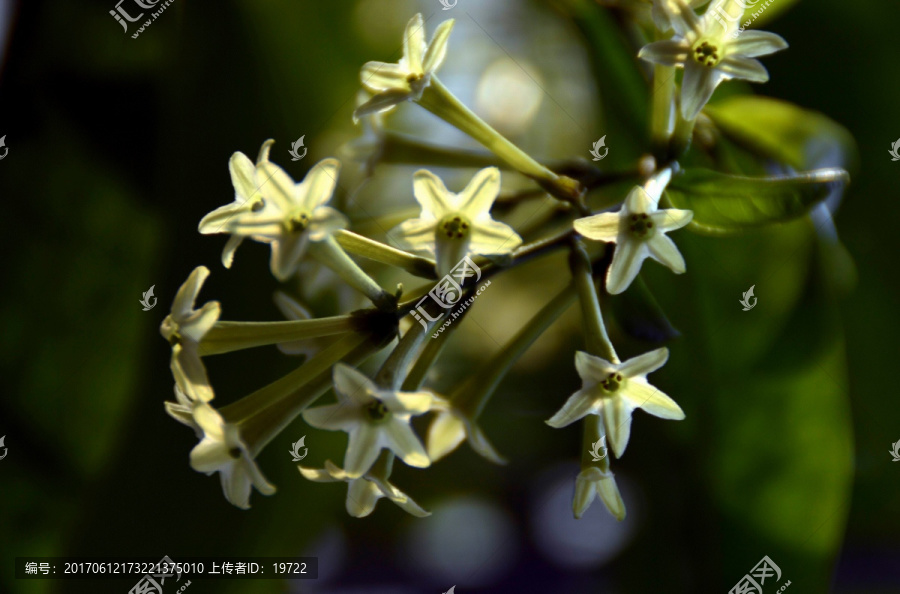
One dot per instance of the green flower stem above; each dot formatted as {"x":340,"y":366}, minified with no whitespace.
{"x":471,"y":396}
{"x":407,"y":150}
{"x":596,"y":337}
{"x":441,"y":102}
{"x":430,"y":353}
{"x":396,"y":366}
{"x":330,"y":253}
{"x":379,"y":252}
{"x":662,"y":122}
{"x":265,"y":413}
{"x":681,"y":138}
{"x":283,"y":388}
{"x":590,"y":436}
{"x":226,"y":337}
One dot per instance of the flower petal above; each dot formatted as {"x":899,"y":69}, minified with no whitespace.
{"x":626,"y":264}
{"x":652,"y":400}
{"x":243,"y":177}
{"x":210,"y":455}
{"x":183,"y":304}
{"x":414,"y":44}
{"x":445,"y":433}
{"x":644,"y":364}
{"x":593,"y":369}
{"x":639,"y":201}
{"x":663,"y":250}
{"x":362,"y":449}
{"x":236,"y":486}
{"x":490,"y":237}
{"x":479,"y":195}
{"x":601,"y":227}
{"x":671,"y":219}
{"x":190,"y":374}
{"x":683,"y":18}
{"x":195,"y":326}
{"x":276,"y":186}
{"x":670,"y":52}
{"x":753,"y":44}
{"x":617,"y":419}
{"x":287,"y":253}
{"x":249,"y":466}
{"x":478,"y":441}
{"x":231,"y":247}
{"x":383,"y":101}
{"x":362,"y":496}
{"x":437,"y":49}
{"x":415,"y":403}
{"x":697,"y":87}
{"x":414,"y":235}
{"x":318,"y":185}
{"x":325,"y":221}
{"x":433,"y":196}
{"x":608,"y":491}
{"x":579,"y":405}
{"x":352,"y":387}
{"x":333,"y":417}
{"x":585,"y":491}
{"x":381,"y":76}
{"x":317,"y":475}
{"x":402,"y":441}
{"x":744,"y":69}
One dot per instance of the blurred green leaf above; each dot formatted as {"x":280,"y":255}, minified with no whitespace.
{"x":781,"y":131}
{"x":640,"y":316}
{"x":729,"y":203}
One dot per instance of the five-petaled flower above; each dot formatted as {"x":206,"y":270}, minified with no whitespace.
{"x":270,"y":208}
{"x":375,"y":418}
{"x":612,"y":391}
{"x":452,"y":226}
{"x":709,"y":53}
{"x":393,"y":84}
{"x":639,"y":231}
{"x":184,"y":328}
{"x":222,"y":450}
{"x":363,"y":492}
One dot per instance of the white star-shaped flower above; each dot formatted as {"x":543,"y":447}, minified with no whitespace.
{"x":222,"y":450}
{"x":639,"y":231}
{"x":393,"y":84}
{"x":375,"y":418}
{"x":613,"y":391}
{"x":363,"y":492}
{"x":270,"y":207}
{"x":452,"y":226}
{"x":184,"y":328}
{"x":709,"y":53}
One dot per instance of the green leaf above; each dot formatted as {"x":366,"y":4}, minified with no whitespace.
{"x":782,"y":131}
{"x":725,"y":204}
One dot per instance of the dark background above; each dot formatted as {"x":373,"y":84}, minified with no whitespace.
{"x":117,"y":148}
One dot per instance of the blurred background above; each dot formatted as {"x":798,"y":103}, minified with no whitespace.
{"x":118,"y":146}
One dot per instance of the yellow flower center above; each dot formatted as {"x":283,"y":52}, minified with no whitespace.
{"x":297,"y":223}
{"x":170,"y":330}
{"x":640,"y":225}
{"x":706,"y":54}
{"x":454,"y":226}
{"x":612,"y":383}
{"x":377,"y":411}
{"x":257,"y":203}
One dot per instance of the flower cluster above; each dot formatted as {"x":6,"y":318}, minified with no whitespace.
{"x":301,"y":227}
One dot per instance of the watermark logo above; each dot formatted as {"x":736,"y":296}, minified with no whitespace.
{"x":895,"y":452}
{"x":894,"y":152}
{"x":447,"y":6}
{"x":2,"y":445}
{"x":124,"y":16}
{"x":448,"y":292}
{"x":746,"y":300}
{"x":595,"y":449}
{"x":765,"y":569}
{"x":298,"y":144}
{"x":295,"y":449}
{"x":145,"y":301}
{"x":149,"y":584}
{"x":453,"y":589}
{"x":6,"y":148}
{"x":599,"y":145}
